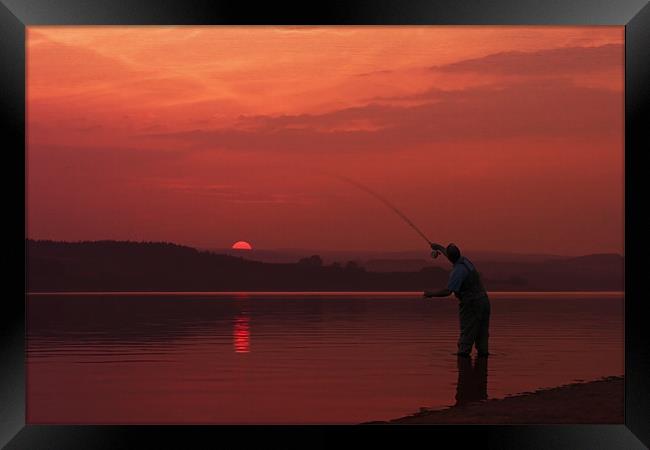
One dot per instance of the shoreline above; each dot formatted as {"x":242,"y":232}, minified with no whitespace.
{"x":599,"y":401}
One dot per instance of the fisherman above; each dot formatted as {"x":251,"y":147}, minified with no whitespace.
{"x":474,"y":304}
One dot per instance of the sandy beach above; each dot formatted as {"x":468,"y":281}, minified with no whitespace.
{"x":595,"y":402}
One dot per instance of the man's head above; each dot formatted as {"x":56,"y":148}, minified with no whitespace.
{"x":453,"y":253}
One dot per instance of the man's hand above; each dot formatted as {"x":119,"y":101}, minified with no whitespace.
{"x":437,"y":247}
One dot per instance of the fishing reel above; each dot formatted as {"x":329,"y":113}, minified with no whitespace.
{"x":435,"y":254}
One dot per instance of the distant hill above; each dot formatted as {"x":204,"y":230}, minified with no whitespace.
{"x":591,"y":272}
{"x":157,"y":266}
{"x":132,"y":266}
{"x":396,"y":265}
{"x":390,"y":260}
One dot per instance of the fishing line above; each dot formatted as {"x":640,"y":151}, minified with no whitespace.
{"x":385,"y":202}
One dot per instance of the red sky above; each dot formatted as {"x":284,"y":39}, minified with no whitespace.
{"x":501,"y":138}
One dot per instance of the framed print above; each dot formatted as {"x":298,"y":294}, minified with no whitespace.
{"x":274,"y":223}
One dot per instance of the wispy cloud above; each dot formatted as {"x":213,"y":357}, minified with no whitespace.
{"x":229,"y":193}
{"x":543,"y":63}
{"x":547,"y":108}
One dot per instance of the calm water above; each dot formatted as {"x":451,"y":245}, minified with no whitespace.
{"x":299,"y":358}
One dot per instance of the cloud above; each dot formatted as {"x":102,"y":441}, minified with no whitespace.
{"x":53,"y":63}
{"x":546,"y":63}
{"x":530,"y":108}
{"x":83,"y":75}
{"x":542,"y":100}
{"x":375,"y":72}
{"x":229,"y":193}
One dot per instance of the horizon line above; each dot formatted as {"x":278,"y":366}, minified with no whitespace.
{"x":209,"y":247}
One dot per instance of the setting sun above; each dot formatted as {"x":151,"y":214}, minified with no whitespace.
{"x":242,"y":245}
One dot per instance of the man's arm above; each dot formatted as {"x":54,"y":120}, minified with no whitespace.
{"x":441,"y":293}
{"x":456,"y":278}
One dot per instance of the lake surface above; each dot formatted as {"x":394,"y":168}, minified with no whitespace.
{"x":276,"y":358}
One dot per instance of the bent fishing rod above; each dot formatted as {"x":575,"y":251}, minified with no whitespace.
{"x":366,"y":189}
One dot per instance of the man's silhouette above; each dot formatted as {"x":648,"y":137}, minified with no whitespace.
{"x":474,"y":304}
{"x":472,"y":380}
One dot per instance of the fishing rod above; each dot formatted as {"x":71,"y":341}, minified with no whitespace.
{"x":391,"y":206}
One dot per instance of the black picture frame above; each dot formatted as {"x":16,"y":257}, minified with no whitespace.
{"x":15,"y":15}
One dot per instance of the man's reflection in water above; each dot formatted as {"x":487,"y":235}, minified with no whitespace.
{"x":472,"y":380}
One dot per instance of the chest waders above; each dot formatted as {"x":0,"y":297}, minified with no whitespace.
{"x":474,"y":313}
